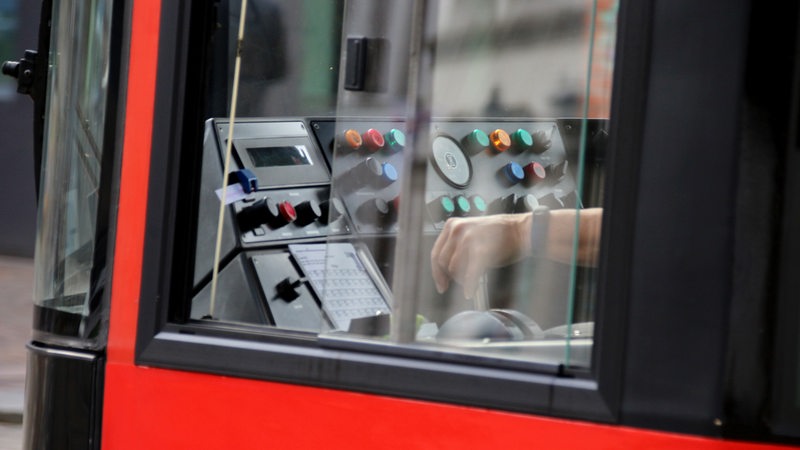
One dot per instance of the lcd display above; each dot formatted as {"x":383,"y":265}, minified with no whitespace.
{"x":288,"y":155}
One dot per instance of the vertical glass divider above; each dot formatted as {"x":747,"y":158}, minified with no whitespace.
{"x":412,"y":192}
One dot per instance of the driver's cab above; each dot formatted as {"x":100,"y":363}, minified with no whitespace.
{"x":359,"y":131}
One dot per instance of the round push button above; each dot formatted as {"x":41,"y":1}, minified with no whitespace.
{"x":286,"y":213}
{"x":535,"y":172}
{"x":441,"y":208}
{"x":395,"y":140}
{"x":352,"y":139}
{"x":522,"y":140}
{"x":526,"y":203}
{"x":479,"y":206}
{"x":373,"y":140}
{"x":462,"y":206}
{"x":513,"y":173}
{"x":500,"y":139}
{"x":475,"y":142}
{"x":376,"y":211}
{"x":388,"y":174}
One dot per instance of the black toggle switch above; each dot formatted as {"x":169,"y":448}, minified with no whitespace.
{"x":287,"y":288}
{"x":331,"y":210}
{"x":307,"y":212}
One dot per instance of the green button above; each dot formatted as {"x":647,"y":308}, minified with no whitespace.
{"x":479,"y":204}
{"x":522,"y":138}
{"x":463,"y":205}
{"x":476,"y":141}
{"x":447,"y":205}
{"x":395,"y":139}
{"x":479,"y":138}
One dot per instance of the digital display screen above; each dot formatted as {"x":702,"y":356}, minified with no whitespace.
{"x":286,"y":155}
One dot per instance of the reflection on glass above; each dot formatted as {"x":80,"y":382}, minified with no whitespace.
{"x":289,"y":62}
{"x":73,"y":146}
{"x":9,"y":18}
{"x":461,"y":211}
{"x":499,"y":251}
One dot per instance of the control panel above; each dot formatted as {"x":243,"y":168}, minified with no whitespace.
{"x":475,"y":168}
{"x":304,"y":195}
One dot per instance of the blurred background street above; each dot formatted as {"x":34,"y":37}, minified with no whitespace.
{"x":18,"y":32}
{"x":16,"y":285}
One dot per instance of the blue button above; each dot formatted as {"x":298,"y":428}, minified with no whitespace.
{"x":514,"y":172}
{"x":390,"y":172}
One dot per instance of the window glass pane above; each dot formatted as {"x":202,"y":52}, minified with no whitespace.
{"x":74,"y":134}
{"x":491,"y":245}
{"x":289,"y":64}
{"x":360,"y":129}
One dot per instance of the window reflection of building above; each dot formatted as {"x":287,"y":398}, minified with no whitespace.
{"x":9,"y":12}
{"x":289,"y":62}
{"x":521,"y":58}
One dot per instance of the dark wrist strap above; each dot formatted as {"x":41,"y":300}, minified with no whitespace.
{"x":540,"y":224}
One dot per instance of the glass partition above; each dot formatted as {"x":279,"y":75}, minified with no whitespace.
{"x":474,"y":201}
{"x":424,"y":176}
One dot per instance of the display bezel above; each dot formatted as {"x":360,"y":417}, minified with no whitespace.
{"x":314,"y":172}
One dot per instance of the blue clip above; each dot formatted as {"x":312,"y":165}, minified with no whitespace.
{"x":247,"y":179}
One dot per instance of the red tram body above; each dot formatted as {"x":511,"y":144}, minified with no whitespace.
{"x":154,"y":374}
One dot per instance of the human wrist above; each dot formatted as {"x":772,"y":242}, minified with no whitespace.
{"x":523,"y":232}
{"x":539,"y":230}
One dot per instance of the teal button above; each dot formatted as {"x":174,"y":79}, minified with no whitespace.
{"x":462,"y":205}
{"x":476,"y":141}
{"x":479,"y":204}
{"x":395,"y":139}
{"x":447,"y":205}
{"x":522,"y":138}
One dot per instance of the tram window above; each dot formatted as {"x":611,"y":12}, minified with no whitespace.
{"x":508,"y":108}
{"x":70,"y":252}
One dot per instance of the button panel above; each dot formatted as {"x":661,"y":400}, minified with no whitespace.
{"x":479,"y":167}
{"x":475,"y":168}
{"x":314,"y":178}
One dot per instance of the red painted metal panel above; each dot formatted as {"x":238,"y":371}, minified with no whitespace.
{"x":156,"y":408}
{"x":133,"y":183}
{"x":127,"y":266}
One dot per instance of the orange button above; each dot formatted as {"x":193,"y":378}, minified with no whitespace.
{"x":501,"y":141}
{"x":352,"y":138}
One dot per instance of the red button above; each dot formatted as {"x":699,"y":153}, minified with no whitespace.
{"x":287,"y":211}
{"x":373,"y":140}
{"x":535,"y":171}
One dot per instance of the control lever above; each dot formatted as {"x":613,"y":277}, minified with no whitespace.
{"x":480,"y":300}
{"x":287,"y":288}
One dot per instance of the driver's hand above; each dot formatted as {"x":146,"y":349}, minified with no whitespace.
{"x":467,"y":247}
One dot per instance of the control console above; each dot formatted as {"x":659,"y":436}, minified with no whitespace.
{"x":296,"y":184}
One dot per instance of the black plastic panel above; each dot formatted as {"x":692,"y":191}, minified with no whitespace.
{"x":63,"y":398}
